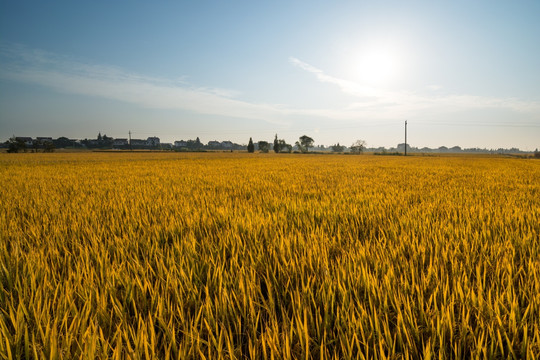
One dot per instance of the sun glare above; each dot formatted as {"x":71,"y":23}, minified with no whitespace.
{"x":375,"y":65}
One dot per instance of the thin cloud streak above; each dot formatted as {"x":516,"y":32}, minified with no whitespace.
{"x":114,"y":83}
{"x":392,"y":103}
{"x":19,"y":63}
{"x":346,"y":86}
{"x":68,"y":76}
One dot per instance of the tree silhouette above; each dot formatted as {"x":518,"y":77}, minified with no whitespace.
{"x":264,"y":146}
{"x":338,"y":148}
{"x":358,"y":146}
{"x":305,"y":143}
{"x":276,"y":144}
{"x":15,"y":145}
{"x":251,"y":147}
{"x":283,"y":146}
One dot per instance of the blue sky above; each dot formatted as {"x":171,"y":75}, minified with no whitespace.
{"x":461,"y":72}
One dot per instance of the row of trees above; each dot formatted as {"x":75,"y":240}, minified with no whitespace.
{"x":280,"y":145}
{"x":16,"y":145}
{"x":357,"y":147}
{"x":303,"y":144}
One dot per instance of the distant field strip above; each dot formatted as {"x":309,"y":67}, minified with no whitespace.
{"x":178,"y":256}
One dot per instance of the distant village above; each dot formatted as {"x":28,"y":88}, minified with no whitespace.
{"x":104,"y":142}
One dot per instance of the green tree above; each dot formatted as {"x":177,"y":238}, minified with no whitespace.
{"x":276,"y":144}
{"x":107,"y":141}
{"x":358,"y":146}
{"x":251,"y":147}
{"x":48,"y":146}
{"x":338,"y":148}
{"x":15,"y":145}
{"x":305,"y":143}
{"x":63,"y":142}
{"x":264,"y":146}
{"x":283,"y":146}
{"x":36,"y":144}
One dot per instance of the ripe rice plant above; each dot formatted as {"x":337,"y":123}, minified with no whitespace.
{"x":264,"y":256}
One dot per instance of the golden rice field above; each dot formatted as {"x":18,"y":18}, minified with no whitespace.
{"x":264,"y":256}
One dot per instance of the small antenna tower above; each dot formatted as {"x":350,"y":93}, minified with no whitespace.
{"x":405,"y":137}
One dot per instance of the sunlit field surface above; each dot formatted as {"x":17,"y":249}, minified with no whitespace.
{"x":170,"y":255}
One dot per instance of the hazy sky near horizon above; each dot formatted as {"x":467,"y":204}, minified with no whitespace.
{"x":462,"y":73}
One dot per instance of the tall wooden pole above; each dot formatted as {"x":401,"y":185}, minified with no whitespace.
{"x":405,"y":137}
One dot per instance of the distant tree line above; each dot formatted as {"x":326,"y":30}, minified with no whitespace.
{"x":304,"y":144}
{"x":21,"y":144}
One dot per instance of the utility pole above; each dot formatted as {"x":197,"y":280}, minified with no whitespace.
{"x":405,"y":137}
{"x":130,"y":147}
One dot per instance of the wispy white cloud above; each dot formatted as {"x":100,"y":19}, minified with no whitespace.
{"x":346,"y":86}
{"x":110,"y":82}
{"x":371,"y":101}
{"x":20,"y":63}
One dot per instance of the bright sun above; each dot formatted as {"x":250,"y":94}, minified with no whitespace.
{"x":376,"y":65}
